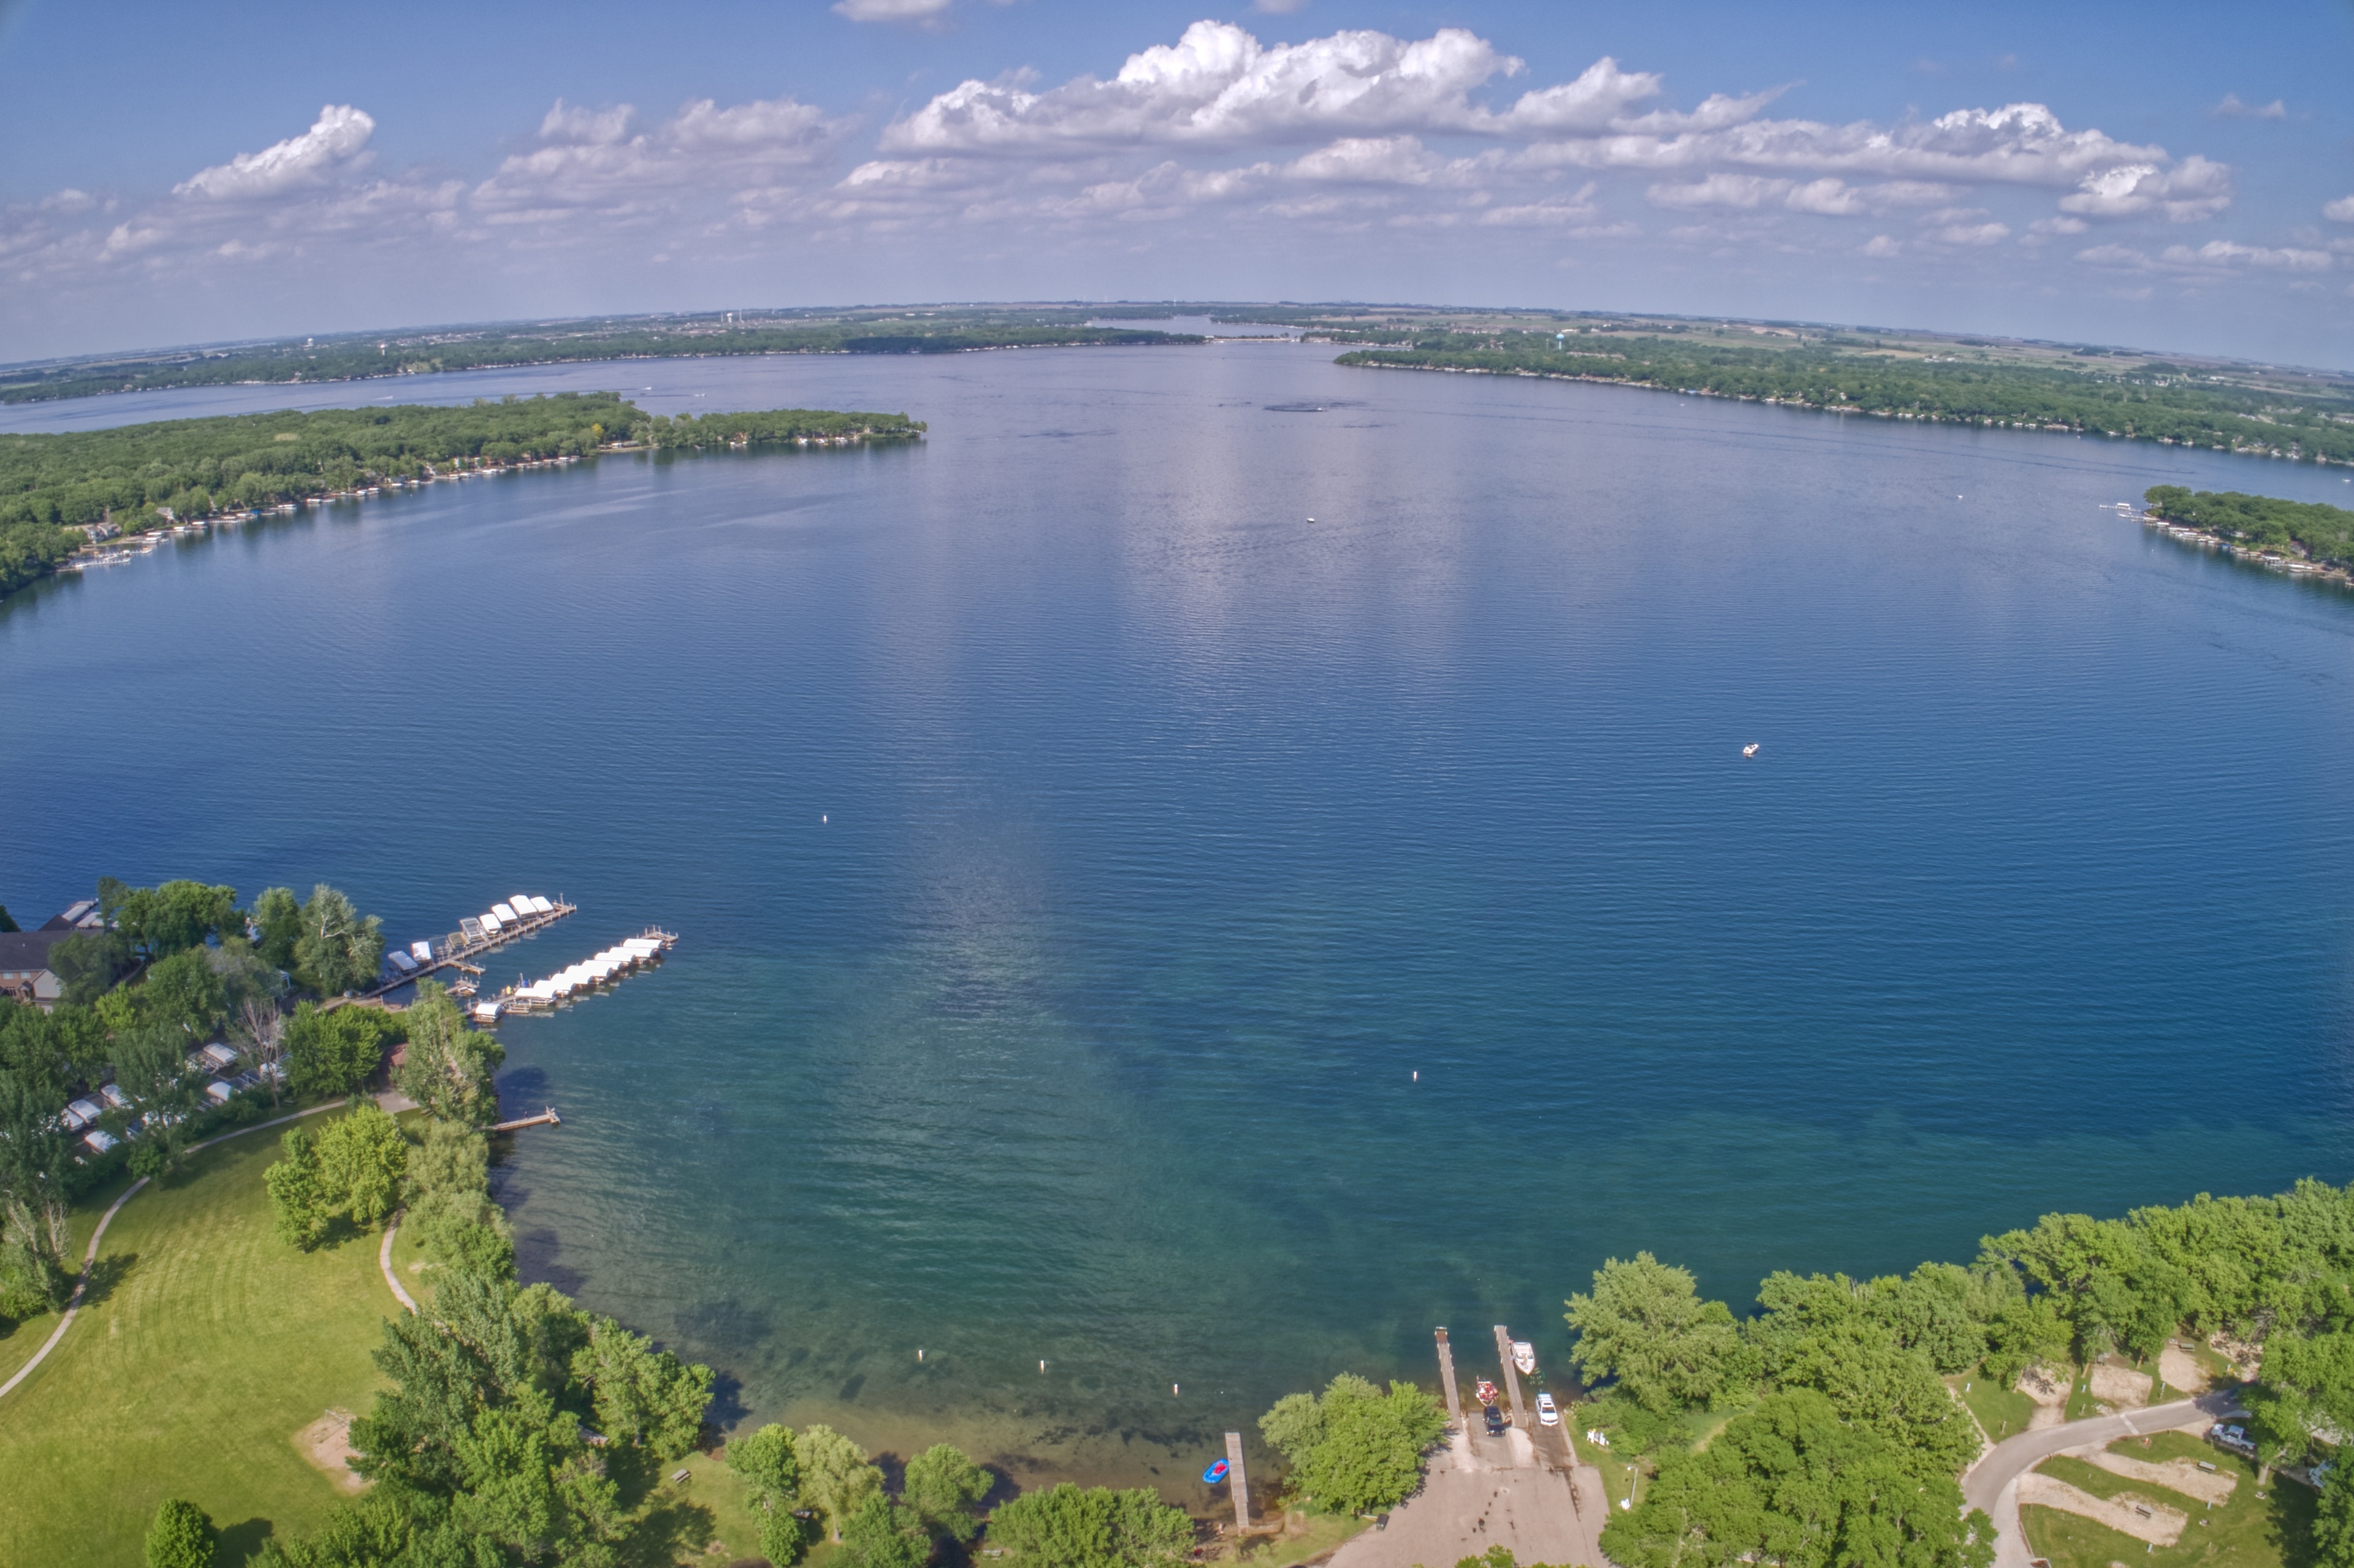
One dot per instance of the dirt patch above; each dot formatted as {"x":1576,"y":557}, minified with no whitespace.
{"x":2182,"y":1476}
{"x":2121,"y":1387}
{"x":2177,"y":1368}
{"x":2049,"y":1390}
{"x":2162,"y":1526}
{"x":2244,"y":1357}
{"x":326,"y":1443}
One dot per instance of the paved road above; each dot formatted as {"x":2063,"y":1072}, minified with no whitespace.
{"x":1992,"y":1483}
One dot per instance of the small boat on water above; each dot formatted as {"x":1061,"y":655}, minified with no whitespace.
{"x":1524,"y":1357}
{"x":1486,"y":1390}
{"x":1749,"y":750}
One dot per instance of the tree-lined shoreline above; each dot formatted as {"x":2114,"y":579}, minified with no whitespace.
{"x":63,"y":492}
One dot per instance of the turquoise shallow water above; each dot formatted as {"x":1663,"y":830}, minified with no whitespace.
{"x":1078,"y":850}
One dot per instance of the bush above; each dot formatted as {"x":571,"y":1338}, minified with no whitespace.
{"x":1069,"y":1527}
{"x":181,"y":1537}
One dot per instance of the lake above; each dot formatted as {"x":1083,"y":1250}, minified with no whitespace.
{"x":1128,"y":925}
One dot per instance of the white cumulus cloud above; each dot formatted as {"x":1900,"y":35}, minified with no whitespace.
{"x":2341,"y":210}
{"x":2191,"y":190}
{"x":337,"y":140}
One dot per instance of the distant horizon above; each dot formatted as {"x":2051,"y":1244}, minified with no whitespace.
{"x":2096,"y":172}
{"x":1211,"y":307}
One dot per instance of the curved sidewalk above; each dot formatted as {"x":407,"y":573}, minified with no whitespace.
{"x":1992,"y":1483}
{"x":89,"y":1258}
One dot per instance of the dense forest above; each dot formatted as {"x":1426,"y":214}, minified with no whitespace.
{"x":131,"y":477}
{"x":1831,"y":1408}
{"x":2260,"y":521}
{"x":353,"y":357}
{"x":2152,"y":402}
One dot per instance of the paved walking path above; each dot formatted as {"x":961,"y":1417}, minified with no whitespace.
{"x":89,"y":1259}
{"x":383,"y":1262}
{"x":1992,"y":1483}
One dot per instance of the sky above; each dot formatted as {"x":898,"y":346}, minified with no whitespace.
{"x":2152,"y":174}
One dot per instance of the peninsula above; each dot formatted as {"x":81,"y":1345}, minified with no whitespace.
{"x":64,"y":493}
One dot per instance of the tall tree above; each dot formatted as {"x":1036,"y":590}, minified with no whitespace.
{"x":835,"y":1475}
{"x":449,"y":1068}
{"x":181,"y":1537}
{"x":337,"y":951}
{"x":1646,"y":1325}
{"x":642,"y":1394}
{"x":944,"y":1486}
{"x":332,"y":1053}
{"x":277,"y":927}
{"x":1067,"y":1526}
{"x":764,"y":1461}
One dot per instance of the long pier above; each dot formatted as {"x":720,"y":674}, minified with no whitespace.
{"x":460,"y":955}
{"x":545,"y":1118}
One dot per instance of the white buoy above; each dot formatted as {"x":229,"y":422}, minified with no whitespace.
{"x":1041,"y":1366}
{"x":1417,"y":1074}
{"x":1172,"y":1388}
{"x":824,"y":817}
{"x":919,"y":1355}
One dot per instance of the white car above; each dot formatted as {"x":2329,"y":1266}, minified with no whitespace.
{"x":1548,"y":1413}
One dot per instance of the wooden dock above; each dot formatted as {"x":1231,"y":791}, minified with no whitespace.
{"x":545,"y":1118}
{"x":460,"y":955}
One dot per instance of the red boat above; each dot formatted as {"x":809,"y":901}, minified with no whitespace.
{"x":1486,"y":1390}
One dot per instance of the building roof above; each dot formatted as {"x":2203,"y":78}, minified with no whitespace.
{"x":29,"y":950}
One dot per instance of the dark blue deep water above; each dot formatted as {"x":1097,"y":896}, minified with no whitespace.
{"x":1077,"y":851}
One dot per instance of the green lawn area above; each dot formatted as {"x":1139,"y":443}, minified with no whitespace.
{"x":203,"y":1346}
{"x":1318,"y":1535}
{"x":2247,"y":1532}
{"x":2002,"y":1411}
{"x":29,"y":1336}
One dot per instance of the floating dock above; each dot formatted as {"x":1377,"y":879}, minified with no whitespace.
{"x":625,"y":958}
{"x":510,"y":920}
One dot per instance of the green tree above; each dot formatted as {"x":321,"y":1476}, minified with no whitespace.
{"x":764,"y":1463}
{"x":335,"y":1054}
{"x":181,"y":1537}
{"x":1067,"y":1526}
{"x":1791,"y":1484}
{"x":1646,"y":1326}
{"x":835,"y":1475}
{"x":299,"y":1201}
{"x":642,"y":1394}
{"x":362,"y":1158}
{"x":883,"y":1534}
{"x":337,"y":951}
{"x":448,"y":1067}
{"x":450,"y":1210}
{"x":2306,"y":1385}
{"x":184,"y":991}
{"x":943,"y":1486}
{"x":159,"y":921}
{"x":1370,"y":1457}
{"x":2333,"y":1523}
{"x":278,"y":926}
{"x":87,"y":964}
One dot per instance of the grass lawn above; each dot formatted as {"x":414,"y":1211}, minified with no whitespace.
{"x":2002,"y":1411}
{"x":1318,"y":1535}
{"x":26,"y":1338}
{"x":203,"y":1346}
{"x":1619,"y":1475}
{"x":2272,"y":1532}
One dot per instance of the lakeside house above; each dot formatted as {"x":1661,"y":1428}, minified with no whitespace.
{"x":25,"y":974}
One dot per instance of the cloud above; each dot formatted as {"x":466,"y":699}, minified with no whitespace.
{"x":596,"y":161}
{"x":2194,"y":189}
{"x":1217,"y":84}
{"x":1743,"y":192}
{"x":2341,"y":210}
{"x":2215,"y":259}
{"x":337,"y":140}
{"x":1882,"y":247}
{"x":2233,"y":109}
{"x":1969,"y":233}
{"x":890,"y":10}
{"x":2225,"y":253}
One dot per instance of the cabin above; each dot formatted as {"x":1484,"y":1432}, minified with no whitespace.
{"x":219,"y":1058}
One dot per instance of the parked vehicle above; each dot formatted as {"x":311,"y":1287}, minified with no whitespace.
{"x":1496,"y":1423}
{"x":1548,"y":1413}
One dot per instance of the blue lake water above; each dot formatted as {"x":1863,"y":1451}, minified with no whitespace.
{"x":1077,"y":851}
